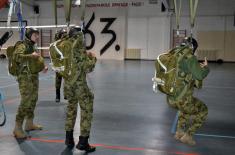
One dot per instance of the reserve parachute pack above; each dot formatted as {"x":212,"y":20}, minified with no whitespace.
{"x":166,"y":70}
{"x":62,"y":60}
{"x":14,"y":68}
{"x":36,"y":66}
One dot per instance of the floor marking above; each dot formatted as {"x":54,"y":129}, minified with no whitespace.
{"x":173,"y":130}
{"x":124,"y":148}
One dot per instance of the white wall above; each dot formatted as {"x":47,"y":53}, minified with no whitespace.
{"x":144,"y":26}
{"x":150,"y":34}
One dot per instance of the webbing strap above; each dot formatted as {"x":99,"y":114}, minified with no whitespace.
{"x":57,"y":50}
{"x":67,"y":9}
{"x":83,"y":7}
{"x":12,"y":5}
{"x":177,"y":14}
{"x":20,"y":20}
{"x":193,"y":10}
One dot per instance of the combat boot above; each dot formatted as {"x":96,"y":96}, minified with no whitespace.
{"x":29,"y":125}
{"x":18,"y":131}
{"x":187,"y":139}
{"x":179,"y":134}
{"x":84,"y":145}
{"x":57,"y":99}
{"x":69,"y":141}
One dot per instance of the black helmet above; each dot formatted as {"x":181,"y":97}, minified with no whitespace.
{"x":60,"y":34}
{"x":74,"y":31}
{"x":30,"y":31}
{"x":189,"y":41}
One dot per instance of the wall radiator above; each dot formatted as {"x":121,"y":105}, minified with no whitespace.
{"x":132,"y":54}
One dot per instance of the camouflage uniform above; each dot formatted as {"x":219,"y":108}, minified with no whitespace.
{"x":78,"y":90}
{"x":58,"y":80}
{"x":192,"y":74}
{"x":28,"y":83}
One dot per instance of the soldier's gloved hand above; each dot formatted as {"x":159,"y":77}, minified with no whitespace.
{"x":204,"y":64}
{"x":91,"y":54}
{"x":35,"y":54}
{"x":45,"y":69}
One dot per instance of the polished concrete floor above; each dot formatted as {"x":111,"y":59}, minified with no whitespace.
{"x":129,"y":119}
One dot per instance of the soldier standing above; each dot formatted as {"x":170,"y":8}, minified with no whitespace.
{"x":77,"y":90}
{"x":191,"y":73}
{"x":26,"y":56}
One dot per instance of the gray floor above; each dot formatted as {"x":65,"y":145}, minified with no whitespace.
{"x":129,"y":119}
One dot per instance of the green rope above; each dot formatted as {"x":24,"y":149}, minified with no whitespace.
{"x":193,"y":10}
{"x":67,"y":9}
{"x":83,"y":7}
{"x":177,"y":14}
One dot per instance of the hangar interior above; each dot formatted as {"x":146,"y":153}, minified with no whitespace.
{"x":127,"y":36}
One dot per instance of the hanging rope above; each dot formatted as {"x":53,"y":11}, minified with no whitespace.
{"x":193,"y":10}
{"x":20,"y":20}
{"x":67,"y":9}
{"x":12,"y":6}
{"x":177,"y":14}
{"x":83,"y":8}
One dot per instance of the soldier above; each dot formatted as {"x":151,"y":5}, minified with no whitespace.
{"x":27,"y":58}
{"x":58,"y":78}
{"x":77,"y":90}
{"x":192,"y":74}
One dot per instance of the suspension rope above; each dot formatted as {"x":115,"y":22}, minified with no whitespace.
{"x":67,"y":9}
{"x":177,"y":14}
{"x":193,"y":10}
{"x":83,"y":8}
{"x":11,"y":9}
{"x":20,"y":20}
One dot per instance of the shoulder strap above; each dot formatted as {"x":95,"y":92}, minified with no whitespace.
{"x":57,"y":49}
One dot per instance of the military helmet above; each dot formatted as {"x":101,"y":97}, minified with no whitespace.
{"x":30,"y":31}
{"x":189,"y":41}
{"x":60,"y":34}
{"x":74,"y":31}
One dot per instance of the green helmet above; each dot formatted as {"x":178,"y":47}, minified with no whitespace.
{"x":30,"y":31}
{"x":74,"y":31}
{"x":60,"y":34}
{"x":189,"y":41}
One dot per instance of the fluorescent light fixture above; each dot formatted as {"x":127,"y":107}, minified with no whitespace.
{"x":78,"y":2}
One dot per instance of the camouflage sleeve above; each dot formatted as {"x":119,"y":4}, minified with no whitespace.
{"x":19,"y":53}
{"x":198,"y":84}
{"x":197,"y":71}
{"x":85,"y":61}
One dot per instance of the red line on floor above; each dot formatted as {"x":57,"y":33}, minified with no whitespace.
{"x":113,"y":147}
{"x":46,"y":140}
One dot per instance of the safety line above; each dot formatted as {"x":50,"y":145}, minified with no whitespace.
{"x":173,"y":130}
{"x":124,"y":148}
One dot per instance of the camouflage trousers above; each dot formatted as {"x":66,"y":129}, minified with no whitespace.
{"x":28,"y":86}
{"x":79,"y":93}
{"x":192,"y":113}
{"x":58,"y":81}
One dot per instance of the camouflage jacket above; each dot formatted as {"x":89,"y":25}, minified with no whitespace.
{"x":191,"y":74}
{"x":23,"y":54}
